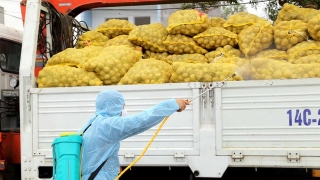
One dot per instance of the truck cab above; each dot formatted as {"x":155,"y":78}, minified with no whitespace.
{"x":10,"y":54}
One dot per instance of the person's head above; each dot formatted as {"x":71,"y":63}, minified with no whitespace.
{"x":109,"y":103}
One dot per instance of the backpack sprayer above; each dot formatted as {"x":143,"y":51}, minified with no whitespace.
{"x":66,"y":150}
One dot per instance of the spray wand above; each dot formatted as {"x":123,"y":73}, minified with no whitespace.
{"x":159,"y":128}
{"x":221,"y":82}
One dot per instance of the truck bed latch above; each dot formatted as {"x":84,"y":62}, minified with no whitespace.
{"x":293,"y":157}
{"x":237,"y":156}
{"x":179,"y":156}
{"x":129,"y":156}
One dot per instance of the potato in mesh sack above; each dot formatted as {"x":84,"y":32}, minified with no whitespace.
{"x":187,"y":22}
{"x":279,"y":69}
{"x":113,"y":62}
{"x":215,"y":37}
{"x":74,"y":57}
{"x":310,"y":59}
{"x":314,"y":27}
{"x":302,"y":49}
{"x":241,"y":20}
{"x":289,"y":33}
{"x":160,"y":56}
{"x":292,"y":12}
{"x":192,"y":58}
{"x":200,"y":72}
{"x":271,"y":54}
{"x":149,"y":36}
{"x":91,"y":38}
{"x":115,"y":27}
{"x":147,"y":71}
{"x":216,"y":22}
{"x":120,"y":40}
{"x":181,"y":44}
{"x":226,"y":51}
{"x":256,"y":38}
{"x":66,"y":76}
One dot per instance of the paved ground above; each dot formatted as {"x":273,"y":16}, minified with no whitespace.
{"x":231,"y":174}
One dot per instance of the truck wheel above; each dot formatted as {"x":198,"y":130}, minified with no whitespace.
{"x":192,"y":177}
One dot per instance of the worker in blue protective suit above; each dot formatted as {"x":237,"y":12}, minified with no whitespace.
{"x":101,"y":140}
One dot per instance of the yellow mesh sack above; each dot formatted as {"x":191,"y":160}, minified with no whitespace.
{"x":113,"y":62}
{"x":191,"y":58}
{"x":187,"y":22}
{"x":160,"y":56}
{"x":216,"y":22}
{"x":279,"y":69}
{"x":293,"y":12}
{"x":226,"y":51}
{"x":241,"y":20}
{"x":200,"y":72}
{"x":149,"y":37}
{"x":215,"y":37}
{"x":91,"y":38}
{"x":181,"y":44}
{"x":256,"y":38}
{"x":289,"y":33}
{"x":244,"y":67}
{"x":302,"y":49}
{"x":115,"y":27}
{"x":147,"y":71}
{"x":272,"y":69}
{"x":74,"y":57}
{"x":66,"y":76}
{"x":314,"y":27}
{"x":120,"y":40}
{"x":271,"y":54}
{"x":310,"y":59}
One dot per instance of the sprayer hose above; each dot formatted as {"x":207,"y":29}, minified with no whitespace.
{"x":145,"y":149}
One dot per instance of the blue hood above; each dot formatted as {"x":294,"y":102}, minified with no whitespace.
{"x":109,"y":103}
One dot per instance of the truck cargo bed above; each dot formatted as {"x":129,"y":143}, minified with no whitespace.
{"x":271,"y":123}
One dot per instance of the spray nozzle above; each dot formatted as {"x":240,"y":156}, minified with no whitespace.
{"x":190,"y":100}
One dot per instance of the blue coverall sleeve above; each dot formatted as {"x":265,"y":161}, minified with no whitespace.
{"x":119,"y":128}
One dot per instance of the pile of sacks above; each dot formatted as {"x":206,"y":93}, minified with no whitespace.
{"x":192,"y":48}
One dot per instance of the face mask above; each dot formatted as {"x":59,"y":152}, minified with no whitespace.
{"x":124,"y":112}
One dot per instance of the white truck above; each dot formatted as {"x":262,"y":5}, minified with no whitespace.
{"x":257,"y":123}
